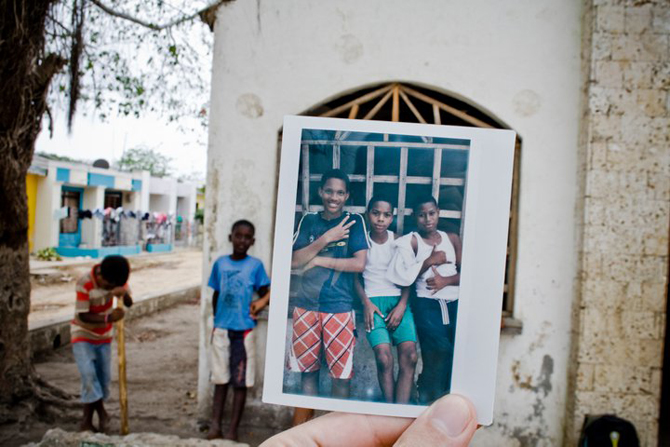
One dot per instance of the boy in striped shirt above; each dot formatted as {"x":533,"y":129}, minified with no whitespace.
{"x":91,"y":333}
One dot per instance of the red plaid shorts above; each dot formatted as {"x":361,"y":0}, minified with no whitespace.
{"x":311,"y":330}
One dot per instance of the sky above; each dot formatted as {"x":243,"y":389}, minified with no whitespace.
{"x":92,"y":139}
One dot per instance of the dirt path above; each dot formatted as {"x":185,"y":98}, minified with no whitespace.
{"x":51,"y":302}
{"x":162,"y":358}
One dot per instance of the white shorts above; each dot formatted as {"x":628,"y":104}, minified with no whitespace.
{"x":233,"y":357}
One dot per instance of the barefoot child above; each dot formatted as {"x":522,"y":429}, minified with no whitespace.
{"x":91,"y":333}
{"x":234,"y":279}
{"x":328,"y":247}
{"x":432,"y":259}
{"x":387,"y":318}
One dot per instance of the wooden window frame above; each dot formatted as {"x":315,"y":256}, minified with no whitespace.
{"x":370,"y":103}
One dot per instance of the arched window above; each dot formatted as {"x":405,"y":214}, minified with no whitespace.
{"x":402,"y":102}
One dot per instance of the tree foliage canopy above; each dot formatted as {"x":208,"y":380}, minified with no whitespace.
{"x":131,"y":57}
{"x":145,"y":159}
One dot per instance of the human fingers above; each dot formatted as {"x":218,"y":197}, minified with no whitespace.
{"x":352,"y":430}
{"x":350,"y":224}
{"x":368,"y":320}
{"x":343,"y":221}
{"x":392,"y":324}
{"x":450,"y":422}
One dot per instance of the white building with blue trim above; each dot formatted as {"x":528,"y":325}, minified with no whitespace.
{"x":83,"y":210}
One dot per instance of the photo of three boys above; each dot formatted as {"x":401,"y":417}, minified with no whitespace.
{"x":340,"y":257}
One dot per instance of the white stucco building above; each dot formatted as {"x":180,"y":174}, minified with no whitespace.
{"x":59,"y":190}
{"x":584,"y":84}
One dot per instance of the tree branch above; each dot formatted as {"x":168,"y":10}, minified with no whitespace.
{"x":153,"y":26}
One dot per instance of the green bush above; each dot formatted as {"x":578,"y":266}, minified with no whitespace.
{"x":48,"y":254}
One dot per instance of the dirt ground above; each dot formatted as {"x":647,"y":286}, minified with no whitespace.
{"x":162,"y":359}
{"x":52,"y":295}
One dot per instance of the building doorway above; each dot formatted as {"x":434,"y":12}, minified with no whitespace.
{"x":70,"y":230}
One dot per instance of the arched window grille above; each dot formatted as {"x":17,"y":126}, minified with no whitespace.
{"x":403,"y":102}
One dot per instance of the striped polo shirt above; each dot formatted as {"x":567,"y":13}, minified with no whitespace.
{"x":95,"y":300}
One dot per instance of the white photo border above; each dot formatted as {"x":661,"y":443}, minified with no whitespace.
{"x":485,"y":227}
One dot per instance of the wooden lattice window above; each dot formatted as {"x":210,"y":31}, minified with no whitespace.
{"x":406,"y":103}
{"x":400,"y":169}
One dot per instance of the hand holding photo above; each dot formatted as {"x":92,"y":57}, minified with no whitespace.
{"x":388,"y":266}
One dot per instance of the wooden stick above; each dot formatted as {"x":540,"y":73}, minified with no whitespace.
{"x":402,"y":188}
{"x":387,"y":143}
{"x":336,"y":156}
{"x":411,"y":106}
{"x":395,"y":109}
{"x":123,"y":390}
{"x":457,"y":113}
{"x":378,"y":106}
{"x":353,"y":112}
{"x":369,"y":173}
{"x":363,"y":99}
{"x":305,"y":178}
{"x":437,"y":166}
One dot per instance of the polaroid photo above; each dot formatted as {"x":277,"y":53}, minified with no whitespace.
{"x":388,"y":265}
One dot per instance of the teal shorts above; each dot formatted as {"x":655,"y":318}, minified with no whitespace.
{"x":380,"y":334}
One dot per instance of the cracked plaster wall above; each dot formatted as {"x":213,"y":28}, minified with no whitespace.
{"x":519,"y":60}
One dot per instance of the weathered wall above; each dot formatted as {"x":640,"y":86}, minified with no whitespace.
{"x":519,"y":60}
{"x":91,"y":229}
{"x":624,"y":259}
{"x":48,"y":201}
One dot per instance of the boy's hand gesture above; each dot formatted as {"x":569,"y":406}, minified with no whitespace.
{"x":394,"y":317}
{"x":370,"y":310}
{"x":437,"y":282}
{"x":437,"y":257}
{"x":339,"y":231}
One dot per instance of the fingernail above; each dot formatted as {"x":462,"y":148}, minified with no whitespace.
{"x":451,"y":415}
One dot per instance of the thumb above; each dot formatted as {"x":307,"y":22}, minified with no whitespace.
{"x":450,"y":422}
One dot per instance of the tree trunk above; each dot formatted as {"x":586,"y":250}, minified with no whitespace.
{"x":25,"y":75}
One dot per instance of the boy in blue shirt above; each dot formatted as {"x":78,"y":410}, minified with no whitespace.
{"x":235,"y":278}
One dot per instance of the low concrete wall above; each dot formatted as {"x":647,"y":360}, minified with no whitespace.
{"x":56,"y":334}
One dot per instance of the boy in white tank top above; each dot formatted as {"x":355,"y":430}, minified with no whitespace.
{"x":388,"y":320}
{"x":431,"y":259}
